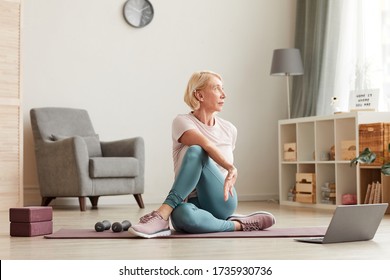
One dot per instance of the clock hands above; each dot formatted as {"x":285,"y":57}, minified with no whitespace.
{"x":135,"y":9}
{"x":139,"y":11}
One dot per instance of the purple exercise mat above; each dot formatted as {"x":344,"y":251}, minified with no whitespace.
{"x":271,"y":232}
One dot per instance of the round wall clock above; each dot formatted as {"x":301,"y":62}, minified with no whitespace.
{"x":138,"y":13}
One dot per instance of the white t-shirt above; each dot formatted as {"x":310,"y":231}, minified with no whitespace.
{"x":223,"y":134}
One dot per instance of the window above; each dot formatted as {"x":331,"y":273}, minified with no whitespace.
{"x":356,"y":53}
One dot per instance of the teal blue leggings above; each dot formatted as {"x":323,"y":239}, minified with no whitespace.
{"x":208,"y":211}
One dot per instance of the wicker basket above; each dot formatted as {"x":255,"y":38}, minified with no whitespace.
{"x":372,"y":136}
{"x":386,"y":141}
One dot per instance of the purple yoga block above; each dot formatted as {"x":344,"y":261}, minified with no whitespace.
{"x":31,"y":214}
{"x":31,"y":229}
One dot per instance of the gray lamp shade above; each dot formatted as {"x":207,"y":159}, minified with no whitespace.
{"x":287,"y":62}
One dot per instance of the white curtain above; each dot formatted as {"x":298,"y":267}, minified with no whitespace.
{"x":354,"y":53}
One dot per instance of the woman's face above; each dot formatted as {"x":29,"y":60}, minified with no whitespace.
{"x":213,"y":95}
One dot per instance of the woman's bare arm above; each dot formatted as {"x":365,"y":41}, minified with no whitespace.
{"x":194,"y":137}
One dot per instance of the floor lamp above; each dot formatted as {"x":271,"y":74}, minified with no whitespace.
{"x":287,"y":62}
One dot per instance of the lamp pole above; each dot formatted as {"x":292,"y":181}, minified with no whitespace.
{"x":288,"y":94}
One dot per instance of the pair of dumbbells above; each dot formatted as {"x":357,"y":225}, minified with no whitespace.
{"x":116,"y":227}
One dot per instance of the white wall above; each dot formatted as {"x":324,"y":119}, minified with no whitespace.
{"x":81,"y":53}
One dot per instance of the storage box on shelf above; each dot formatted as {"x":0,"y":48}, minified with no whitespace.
{"x":324,"y":147}
{"x":372,"y":136}
{"x":305,"y":187}
{"x":290,"y":152}
{"x":348,"y":149}
{"x":386,"y":141}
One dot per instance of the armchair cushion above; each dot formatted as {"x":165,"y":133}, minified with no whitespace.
{"x":92,"y":142}
{"x":113,"y":167}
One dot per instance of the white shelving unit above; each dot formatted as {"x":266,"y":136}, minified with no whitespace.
{"x":314,"y":136}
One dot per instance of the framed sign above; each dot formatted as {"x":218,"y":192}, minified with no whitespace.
{"x":364,"y":100}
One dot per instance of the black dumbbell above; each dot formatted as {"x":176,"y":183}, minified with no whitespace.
{"x":118,"y":227}
{"x":102,"y":226}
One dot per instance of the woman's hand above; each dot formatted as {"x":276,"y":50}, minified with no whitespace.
{"x":229,"y":182}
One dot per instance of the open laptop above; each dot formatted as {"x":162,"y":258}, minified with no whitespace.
{"x":351,"y":223}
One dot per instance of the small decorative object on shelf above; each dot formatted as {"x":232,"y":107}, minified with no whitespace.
{"x":328,"y":193}
{"x":325,"y":156}
{"x":290,"y":151}
{"x":334,"y":104}
{"x":349,"y":199}
{"x":332,"y":153}
{"x":291,"y":194}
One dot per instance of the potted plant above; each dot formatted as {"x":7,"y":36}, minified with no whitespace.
{"x":367,"y":156}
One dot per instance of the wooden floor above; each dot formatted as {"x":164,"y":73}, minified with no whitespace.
{"x":39,"y":248}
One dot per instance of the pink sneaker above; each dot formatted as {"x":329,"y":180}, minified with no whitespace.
{"x":255,"y":221}
{"x":151,"y":225}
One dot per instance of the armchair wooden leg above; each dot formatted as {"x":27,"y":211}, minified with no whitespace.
{"x":138,"y":198}
{"x":94,"y":201}
{"x":82,"y":203}
{"x":46,"y":200}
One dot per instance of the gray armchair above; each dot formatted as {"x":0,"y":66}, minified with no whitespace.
{"x":73,"y":162}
